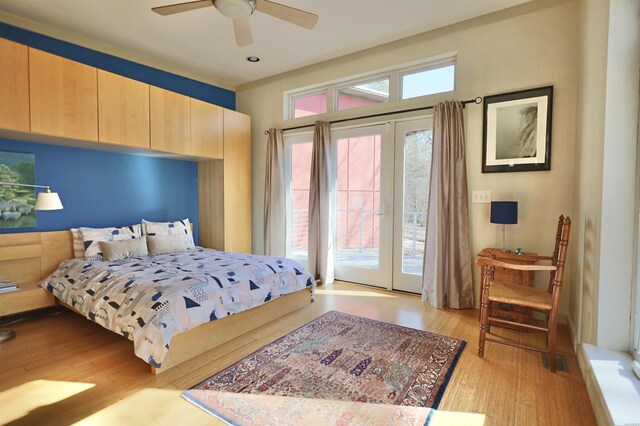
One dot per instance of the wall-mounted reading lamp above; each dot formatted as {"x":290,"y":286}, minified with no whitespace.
{"x":46,"y":200}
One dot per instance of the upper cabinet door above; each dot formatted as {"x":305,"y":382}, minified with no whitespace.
{"x":14,"y":86}
{"x":206,"y":130}
{"x":64,"y":97}
{"x":123,"y":110}
{"x":237,"y":181}
{"x":170,"y":121}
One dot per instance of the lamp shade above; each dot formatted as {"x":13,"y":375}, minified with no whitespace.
{"x":48,"y":201}
{"x":504,"y":212}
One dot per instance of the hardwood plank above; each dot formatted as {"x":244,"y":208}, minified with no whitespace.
{"x":504,"y":387}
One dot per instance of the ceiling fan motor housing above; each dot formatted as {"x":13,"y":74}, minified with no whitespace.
{"x":235,"y":9}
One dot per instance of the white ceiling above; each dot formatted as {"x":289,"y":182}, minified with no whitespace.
{"x":201,"y":43}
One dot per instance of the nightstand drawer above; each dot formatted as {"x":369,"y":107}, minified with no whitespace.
{"x":25,"y":300}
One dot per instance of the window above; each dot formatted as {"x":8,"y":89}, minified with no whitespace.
{"x":309,"y":104}
{"x":435,"y":75}
{"x":428,"y":82}
{"x":363,"y":94}
{"x":297,"y":174}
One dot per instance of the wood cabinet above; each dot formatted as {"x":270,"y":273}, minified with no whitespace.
{"x":25,"y":259}
{"x":224,"y":190}
{"x":206,"y":129}
{"x":123,"y":110}
{"x":14,"y":86}
{"x":63,"y":97}
{"x":170,"y":121}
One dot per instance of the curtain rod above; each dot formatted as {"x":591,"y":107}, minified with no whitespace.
{"x":476,"y":100}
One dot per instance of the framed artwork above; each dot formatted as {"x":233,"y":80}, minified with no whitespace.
{"x":517,"y":131}
{"x":17,"y":203}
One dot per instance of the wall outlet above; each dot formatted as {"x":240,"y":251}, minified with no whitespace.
{"x":481,"y":196}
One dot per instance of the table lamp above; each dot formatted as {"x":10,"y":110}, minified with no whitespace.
{"x":504,"y":213}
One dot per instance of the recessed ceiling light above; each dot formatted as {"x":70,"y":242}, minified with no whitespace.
{"x":253,"y":59}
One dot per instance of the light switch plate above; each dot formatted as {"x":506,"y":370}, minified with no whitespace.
{"x":481,"y":196}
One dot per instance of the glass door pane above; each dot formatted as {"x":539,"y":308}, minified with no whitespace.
{"x":413,"y":166}
{"x":362,"y":233}
{"x":297,"y":173}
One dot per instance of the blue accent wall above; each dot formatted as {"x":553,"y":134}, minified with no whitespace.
{"x":166,"y":80}
{"x":100,"y":189}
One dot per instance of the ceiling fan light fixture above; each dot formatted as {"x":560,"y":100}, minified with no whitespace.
{"x":235,"y":9}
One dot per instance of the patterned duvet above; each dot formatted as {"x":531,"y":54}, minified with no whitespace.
{"x":151,"y":299}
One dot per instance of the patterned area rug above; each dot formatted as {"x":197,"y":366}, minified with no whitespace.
{"x":337,"y":369}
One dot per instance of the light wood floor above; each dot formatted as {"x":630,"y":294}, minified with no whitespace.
{"x":65,"y":369}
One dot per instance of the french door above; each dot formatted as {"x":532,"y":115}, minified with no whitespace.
{"x":363,"y":205}
{"x":380,"y":181}
{"x":413,"y":142}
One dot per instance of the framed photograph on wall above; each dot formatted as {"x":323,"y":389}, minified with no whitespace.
{"x":17,"y":203}
{"x":517,"y":131}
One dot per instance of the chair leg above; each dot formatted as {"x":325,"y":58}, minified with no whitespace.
{"x":484,"y":314}
{"x":552,"y":342}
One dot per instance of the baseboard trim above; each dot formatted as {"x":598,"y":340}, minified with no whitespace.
{"x":603,"y":418}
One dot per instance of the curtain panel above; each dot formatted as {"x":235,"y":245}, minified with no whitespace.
{"x":320,"y":212}
{"x":274,"y":196}
{"x":447,"y":278}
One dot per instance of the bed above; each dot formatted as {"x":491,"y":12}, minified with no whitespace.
{"x":166,"y":304}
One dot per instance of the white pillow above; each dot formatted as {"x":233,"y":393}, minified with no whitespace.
{"x":78,"y":245}
{"x":91,"y":238}
{"x":166,"y":244}
{"x":162,"y":229}
{"x":123,"y":249}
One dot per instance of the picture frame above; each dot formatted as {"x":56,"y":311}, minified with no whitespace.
{"x":517,"y":131}
{"x":17,"y":203}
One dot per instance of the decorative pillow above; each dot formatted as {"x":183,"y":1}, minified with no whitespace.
{"x":122,"y":249}
{"x":78,"y":245}
{"x":91,"y":238}
{"x":166,"y":244}
{"x":161,"y":229}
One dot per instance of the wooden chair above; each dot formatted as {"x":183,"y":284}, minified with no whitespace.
{"x":545,"y":301}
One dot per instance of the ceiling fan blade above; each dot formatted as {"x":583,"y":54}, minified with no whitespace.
{"x":290,"y":14}
{"x":243,"y":32}
{"x":182,"y":7}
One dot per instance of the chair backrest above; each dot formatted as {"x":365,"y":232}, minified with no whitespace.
{"x":556,"y":251}
{"x":560,"y":255}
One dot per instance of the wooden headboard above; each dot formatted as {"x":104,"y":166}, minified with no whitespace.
{"x":26,"y":259}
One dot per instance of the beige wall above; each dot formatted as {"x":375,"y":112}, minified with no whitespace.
{"x":524,"y":47}
{"x":601,"y":302}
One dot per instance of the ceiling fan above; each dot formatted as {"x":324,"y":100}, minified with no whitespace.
{"x":240,"y":10}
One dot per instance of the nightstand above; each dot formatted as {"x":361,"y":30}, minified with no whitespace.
{"x":28,"y":298}
{"x":526,"y":278}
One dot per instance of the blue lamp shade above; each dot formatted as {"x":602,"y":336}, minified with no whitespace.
{"x":504,"y":212}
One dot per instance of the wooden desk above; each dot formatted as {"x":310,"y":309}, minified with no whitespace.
{"x":512,"y":276}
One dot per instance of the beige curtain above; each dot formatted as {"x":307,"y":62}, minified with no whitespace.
{"x":320,"y":212}
{"x":274,"y":196}
{"x":446,"y":280}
